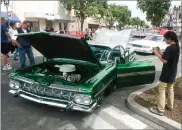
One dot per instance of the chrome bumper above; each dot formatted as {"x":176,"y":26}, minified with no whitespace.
{"x":68,"y":106}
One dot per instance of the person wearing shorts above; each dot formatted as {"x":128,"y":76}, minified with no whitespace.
{"x":5,"y":48}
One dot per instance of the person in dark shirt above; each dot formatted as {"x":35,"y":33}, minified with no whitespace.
{"x":170,"y":59}
{"x":24,"y":46}
{"x":5,"y":48}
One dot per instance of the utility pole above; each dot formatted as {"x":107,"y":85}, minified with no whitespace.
{"x":6,"y":4}
{"x":176,"y":9}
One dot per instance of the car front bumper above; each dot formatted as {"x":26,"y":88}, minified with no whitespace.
{"x":47,"y":101}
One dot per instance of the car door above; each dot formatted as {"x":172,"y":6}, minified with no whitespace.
{"x":135,"y":72}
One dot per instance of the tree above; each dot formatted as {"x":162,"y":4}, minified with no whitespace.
{"x":110,"y":15}
{"x":118,"y":13}
{"x":136,"y":21}
{"x":101,"y":6}
{"x":155,"y":10}
{"x":82,"y":8}
{"x":142,"y":23}
{"x":124,"y":15}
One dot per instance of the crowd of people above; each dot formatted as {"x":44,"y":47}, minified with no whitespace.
{"x":11,"y":43}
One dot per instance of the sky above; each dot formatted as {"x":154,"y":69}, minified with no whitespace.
{"x":137,"y":12}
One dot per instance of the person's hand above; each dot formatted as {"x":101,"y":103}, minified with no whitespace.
{"x":155,"y":50}
{"x":9,"y":39}
{"x":18,"y":45}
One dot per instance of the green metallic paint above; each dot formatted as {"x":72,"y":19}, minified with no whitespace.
{"x":135,"y":73}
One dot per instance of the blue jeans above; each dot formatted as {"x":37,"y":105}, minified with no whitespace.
{"x":16,"y":53}
{"x":22,"y":53}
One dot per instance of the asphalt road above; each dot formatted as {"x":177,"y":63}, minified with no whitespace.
{"x":21,"y":114}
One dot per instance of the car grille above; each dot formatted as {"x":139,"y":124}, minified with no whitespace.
{"x":47,"y":91}
{"x":135,"y":45}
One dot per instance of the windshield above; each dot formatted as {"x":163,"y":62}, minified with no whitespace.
{"x":101,"y":52}
{"x":154,"y":38}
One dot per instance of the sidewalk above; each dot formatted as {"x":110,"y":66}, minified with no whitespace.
{"x":143,"y":111}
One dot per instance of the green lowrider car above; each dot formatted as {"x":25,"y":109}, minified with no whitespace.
{"x":77,"y":75}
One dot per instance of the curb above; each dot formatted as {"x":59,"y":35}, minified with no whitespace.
{"x":160,"y":120}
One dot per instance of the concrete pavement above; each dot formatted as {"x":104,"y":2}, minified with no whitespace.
{"x":20,"y":114}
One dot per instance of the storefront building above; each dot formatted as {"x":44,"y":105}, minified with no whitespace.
{"x":50,"y":14}
{"x":42,"y":14}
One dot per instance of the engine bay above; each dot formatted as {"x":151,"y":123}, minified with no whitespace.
{"x":69,"y":72}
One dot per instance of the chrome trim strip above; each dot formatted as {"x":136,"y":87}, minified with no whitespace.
{"x":103,"y":88}
{"x":73,"y":106}
{"x":136,"y":73}
{"x":23,"y":79}
{"x":42,"y":102}
{"x":54,"y":86}
{"x":26,"y":80}
{"x":42,"y":96}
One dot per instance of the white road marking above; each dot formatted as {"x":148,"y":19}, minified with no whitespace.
{"x":96,"y":122}
{"x":124,"y":118}
{"x":67,"y":126}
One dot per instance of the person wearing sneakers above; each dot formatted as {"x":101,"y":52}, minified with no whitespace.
{"x":25,"y":47}
{"x":5,"y":48}
{"x":170,"y":59}
{"x":13,"y":32}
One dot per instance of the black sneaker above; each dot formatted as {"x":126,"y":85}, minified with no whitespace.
{"x":155,"y":110}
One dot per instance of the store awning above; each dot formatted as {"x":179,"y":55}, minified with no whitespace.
{"x":10,"y":17}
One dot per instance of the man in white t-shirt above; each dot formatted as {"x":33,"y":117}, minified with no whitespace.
{"x":25,"y":47}
{"x":13,"y":32}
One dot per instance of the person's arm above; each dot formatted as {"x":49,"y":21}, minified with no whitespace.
{"x":163,"y":57}
{"x":14,"y":39}
{"x":6,"y":32}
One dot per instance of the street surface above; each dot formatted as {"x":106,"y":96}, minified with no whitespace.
{"x":21,"y":114}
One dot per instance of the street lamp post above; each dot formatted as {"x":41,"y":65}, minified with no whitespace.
{"x":176,"y":11}
{"x":6,"y":4}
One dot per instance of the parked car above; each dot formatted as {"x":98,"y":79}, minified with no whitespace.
{"x":61,"y":32}
{"x":77,"y":75}
{"x":138,"y":36}
{"x":147,"y":44}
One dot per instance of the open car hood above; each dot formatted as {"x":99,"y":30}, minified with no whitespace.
{"x":53,"y":45}
{"x":110,"y":36}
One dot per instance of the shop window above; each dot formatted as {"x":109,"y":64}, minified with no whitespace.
{"x":48,"y":23}
{"x":65,"y":26}
{"x":35,"y":26}
{"x":180,"y":15}
{"x":60,"y":26}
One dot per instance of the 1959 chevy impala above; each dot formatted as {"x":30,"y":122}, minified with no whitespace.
{"x":77,"y":75}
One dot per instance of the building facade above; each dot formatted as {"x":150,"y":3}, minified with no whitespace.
{"x":49,"y":14}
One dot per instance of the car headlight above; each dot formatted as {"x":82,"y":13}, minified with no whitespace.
{"x":12,"y":84}
{"x":86,"y":100}
{"x":81,"y":99}
{"x":17,"y":85}
{"x":78,"y":99}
